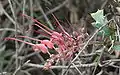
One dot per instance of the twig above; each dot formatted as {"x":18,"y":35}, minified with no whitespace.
{"x":112,"y":60}
{"x":7,"y":22}
{"x":39,"y":56}
{"x":76,"y":69}
{"x":46,"y":18}
{"x":20,"y":67}
{"x":9,"y":17}
{"x":100,"y":73}
{"x":63,"y":64}
{"x":48,"y":2}
{"x":56,"y":8}
{"x":9,"y":29}
{"x":31,"y":8}
{"x":25,"y":72}
{"x":3,"y":73}
{"x":60,"y":67}
{"x":87,"y":44}
{"x":15,"y":25}
{"x":103,"y":5}
{"x":98,"y":61}
{"x":118,"y":33}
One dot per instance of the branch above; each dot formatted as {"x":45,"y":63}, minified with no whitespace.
{"x":86,"y":45}
{"x":60,"y":67}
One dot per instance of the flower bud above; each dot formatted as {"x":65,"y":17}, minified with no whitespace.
{"x":41,"y":47}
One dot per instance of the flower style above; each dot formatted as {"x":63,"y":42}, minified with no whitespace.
{"x":36,"y":47}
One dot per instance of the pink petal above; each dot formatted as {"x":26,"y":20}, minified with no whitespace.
{"x":48,"y":43}
{"x":56,"y":34}
{"x":41,"y":47}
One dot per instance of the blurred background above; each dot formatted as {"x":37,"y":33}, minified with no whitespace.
{"x":72,"y":14}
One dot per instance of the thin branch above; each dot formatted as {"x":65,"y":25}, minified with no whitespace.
{"x":46,"y":18}
{"x":60,"y":67}
{"x":3,"y":73}
{"x":9,"y":29}
{"x":87,"y":44}
{"x":15,"y":25}
{"x":55,"y":9}
{"x":98,"y":61}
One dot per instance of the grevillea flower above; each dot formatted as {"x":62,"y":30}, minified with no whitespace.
{"x":66,"y":45}
{"x":58,"y":39}
{"x":48,"y":43}
{"x":36,"y":47}
{"x":41,"y":47}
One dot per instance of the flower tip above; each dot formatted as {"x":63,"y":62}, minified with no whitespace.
{"x":41,"y":47}
{"x":48,"y":43}
{"x":5,"y":39}
{"x":23,"y":14}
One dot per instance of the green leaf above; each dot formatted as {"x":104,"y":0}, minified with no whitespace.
{"x":97,"y":24}
{"x":116,"y":47}
{"x":100,"y":21}
{"x":98,"y":16}
{"x":106,"y":31}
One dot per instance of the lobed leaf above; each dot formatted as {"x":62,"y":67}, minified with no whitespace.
{"x":116,"y":47}
{"x":100,"y":20}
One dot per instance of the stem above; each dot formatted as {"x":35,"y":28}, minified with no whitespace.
{"x":13,"y":7}
{"x":38,"y":22}
{"x":19,"y":41}
{"x":39,"y":32}
{"x":43,"y":29}
{"x":86,"y":45}
{"x":60,"y":26}
{"x":29,"y":38}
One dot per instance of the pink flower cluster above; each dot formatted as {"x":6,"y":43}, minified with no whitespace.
{"x":43,"y":46}
{"x":66,"y":45}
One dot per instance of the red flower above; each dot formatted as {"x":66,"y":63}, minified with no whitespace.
{"x":66,"y":45}
{"x":58,"y":39}
{"x":41,"y":47}
{"x":48,"y":43}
